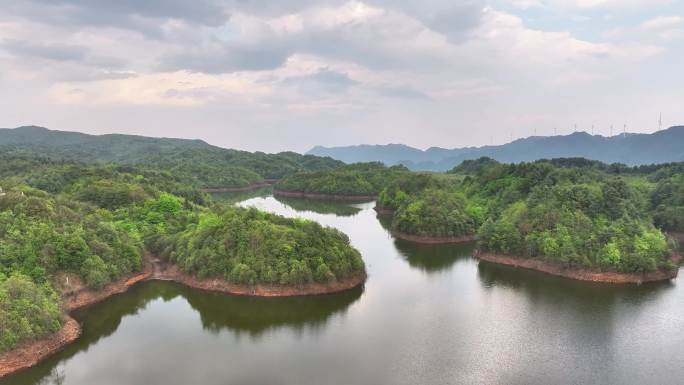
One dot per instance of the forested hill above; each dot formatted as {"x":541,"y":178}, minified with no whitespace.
{"x":631,"y":149}
{"x":209,"y":165}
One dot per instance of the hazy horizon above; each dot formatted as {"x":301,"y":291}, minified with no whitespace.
{"x":290,"y":75}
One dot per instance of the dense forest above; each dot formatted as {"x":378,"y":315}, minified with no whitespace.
{"x":249,"y":246}
{"x":95,"y":223}
{"x":195,"y":161}
{"x":573,"y":211}
{"x":354,"y":179}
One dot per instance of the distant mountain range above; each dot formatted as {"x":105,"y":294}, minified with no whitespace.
{"x":630,"y":149}
{"x":178,"y":155}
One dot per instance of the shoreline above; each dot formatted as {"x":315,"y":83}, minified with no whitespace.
{"x":383,"y":211}
{"x":251,"y":187}
{"x":169,"y":272}
{"x":321,"y":196}
{"x":581,"y":274}
{"x":430,"y":240}
{"x":31,"y":353}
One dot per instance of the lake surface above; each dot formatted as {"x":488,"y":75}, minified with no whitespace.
{"x":427,"y":315}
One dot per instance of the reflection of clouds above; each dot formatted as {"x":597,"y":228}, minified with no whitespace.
{"x":57,"y":376}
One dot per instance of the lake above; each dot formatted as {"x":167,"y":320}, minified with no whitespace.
{"x":428,"y":314}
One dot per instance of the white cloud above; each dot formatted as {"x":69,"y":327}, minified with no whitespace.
{"x":663,"y":22}
{"x":432,"y":65}
{"x":175,"y":89}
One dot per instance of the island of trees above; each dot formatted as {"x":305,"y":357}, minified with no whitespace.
{"x":68,"y":227}
{"x":359,"y":181}
{"x":569,"y":213}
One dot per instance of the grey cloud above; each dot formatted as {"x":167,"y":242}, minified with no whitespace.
{"x":227,"y":58}
{"x":324,"y":80}
{"x":49,"y":51}
{"x":458,"y":20}
{"x":144,"y":17}
{"x":206,"y":12}
{"x":360,"y":43}
{"x":402,"y":92}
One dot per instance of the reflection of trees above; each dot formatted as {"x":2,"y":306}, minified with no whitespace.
{"x":585,"y":313}
{"x":235,"y":197}
{"x":255,"y":315}
{"x":592,"y":306}
{"x":320,"y":206}
{"x":217,"y":312}
{"x":98,"y":321}
{"x":555,"y":290}
{"x":433,"y":258}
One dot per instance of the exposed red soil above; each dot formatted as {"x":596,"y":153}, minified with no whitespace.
{"x":434,"y":240}
{"x":251,"y":187}
{"x":173,"y":273}
{"x":32,"y":352}
{"x":85,"y":297}
{"x":332,"y":197}
{"x":75,"y":296}
{"x":581,"y":274}
{"x":383,"y":210}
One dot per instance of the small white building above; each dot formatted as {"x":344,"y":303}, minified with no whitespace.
{"x":1,"y":192}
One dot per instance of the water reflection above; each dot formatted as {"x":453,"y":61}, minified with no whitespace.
{"x":256,"y":315}
{"x":341,"y":209}
{"x":433,"y":258}
{"x":217,"y":312}
{"x":235,"y":197}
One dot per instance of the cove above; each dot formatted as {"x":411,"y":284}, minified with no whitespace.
{"x":428,"y":314}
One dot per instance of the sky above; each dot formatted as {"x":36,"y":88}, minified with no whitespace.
{"x":288,"y":75}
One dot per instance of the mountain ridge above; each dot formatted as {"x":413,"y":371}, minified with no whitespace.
{"x":631,"y":149}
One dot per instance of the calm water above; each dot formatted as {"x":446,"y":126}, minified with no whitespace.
{"x":427,"y":315}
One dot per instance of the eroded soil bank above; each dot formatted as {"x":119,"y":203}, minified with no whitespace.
{"x":76,"y":296}
{"x":581,"y":273}
{"x":170,"y":272}
{"x":331,"y":197}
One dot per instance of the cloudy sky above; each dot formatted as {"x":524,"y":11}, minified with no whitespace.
{"x":284,"y":74}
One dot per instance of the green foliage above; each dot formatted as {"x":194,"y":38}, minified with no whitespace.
{"x":97,"y":221}
{"x":194,"y":162}
{"x":251,"y":247}
{"x":399,"y":191}
{"x":436,"y":213}
{"x":473,"y":166}
{"x":668,"y":203}
{"x":27,"y":310}
{"x":355,"y":179}
{"x":572,"y":211}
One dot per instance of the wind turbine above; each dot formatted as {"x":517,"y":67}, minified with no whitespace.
{"x":660,"y":122}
